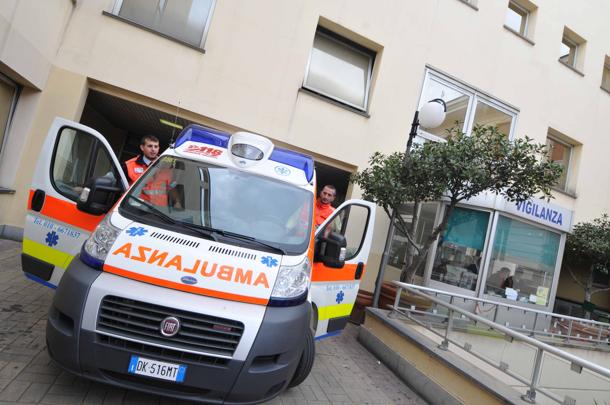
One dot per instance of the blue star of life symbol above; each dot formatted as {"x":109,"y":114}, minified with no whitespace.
{"x":340,"y":297}
{"x":269,"y":261}
{"x":52,"y":238}
{"x":136,"y":231}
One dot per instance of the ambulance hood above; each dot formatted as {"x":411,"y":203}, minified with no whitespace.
{"x":199,"y":266}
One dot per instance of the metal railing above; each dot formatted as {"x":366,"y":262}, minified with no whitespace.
{"x":549,"y":326}
{"x":576,"y":363}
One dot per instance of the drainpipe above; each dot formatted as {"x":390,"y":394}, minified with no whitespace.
{"x":11,"y":232}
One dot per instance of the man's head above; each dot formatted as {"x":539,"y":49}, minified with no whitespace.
{"x":149,"y":145}
{"x":328,"y":194}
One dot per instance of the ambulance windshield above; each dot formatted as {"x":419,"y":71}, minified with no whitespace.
{"x":224,"y":199}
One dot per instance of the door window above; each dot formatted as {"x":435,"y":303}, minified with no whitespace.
{"x":459,"y":254}
{"x":351,"y":222}
{"x":77,"y":157}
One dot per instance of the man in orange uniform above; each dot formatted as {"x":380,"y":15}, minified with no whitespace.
{"x":323,"y":207}
{"x":149,"y":145}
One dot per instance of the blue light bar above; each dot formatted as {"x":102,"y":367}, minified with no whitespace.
{"x":197,"y":133}
{"x":294,"y":159}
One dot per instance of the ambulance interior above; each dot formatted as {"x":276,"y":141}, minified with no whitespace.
{"x":124,"y":122}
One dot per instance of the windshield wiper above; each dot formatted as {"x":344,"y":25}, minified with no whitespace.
{"x":208,"y":233}
{"x":247,"y":238}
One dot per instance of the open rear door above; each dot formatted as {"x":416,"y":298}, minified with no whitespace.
{"x":342,"y":246}
{"x":54,"y":228}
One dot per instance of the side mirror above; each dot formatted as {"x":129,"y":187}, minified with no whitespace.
{"x":98,"y":195}
{"x":331,"y":250}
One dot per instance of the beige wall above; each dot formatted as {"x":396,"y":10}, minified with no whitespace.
{"x":254,"y":63}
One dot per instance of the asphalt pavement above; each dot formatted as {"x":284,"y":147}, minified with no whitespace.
{"x":344,"y":372}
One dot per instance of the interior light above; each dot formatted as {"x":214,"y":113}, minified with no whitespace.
{"x":170,"y":124}
{"x":247,"y":151}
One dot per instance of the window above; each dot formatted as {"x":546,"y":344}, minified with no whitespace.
{"x":77,"y":158}
{"x":466,"y":107}
{"x":424,"y":227}
{"x":459,"y":255}
{"x":560,"y":152}
{"x":606,"y":74}
{"x":8,"y":99}
{"x":572,"y":49}
{"x":340,"y":69}
{"x":351,"y":222}
{"x":184,"y":20}
{"x":522,"y":262}
{"x":568,"y":52}
{"x":516,"y":18}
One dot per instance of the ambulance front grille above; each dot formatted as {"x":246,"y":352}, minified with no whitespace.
{"x":141,"y":320}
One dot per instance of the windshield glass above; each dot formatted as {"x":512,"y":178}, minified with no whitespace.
{"x":229,"y":202}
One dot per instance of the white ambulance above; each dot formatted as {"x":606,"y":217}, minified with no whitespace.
{"x":206,"y":279}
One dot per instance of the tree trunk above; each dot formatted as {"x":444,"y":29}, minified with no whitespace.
{"x":409,"y":270}
{"x":589,"y":291}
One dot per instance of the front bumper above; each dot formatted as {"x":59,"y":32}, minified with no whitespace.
{"x":264,"y":372}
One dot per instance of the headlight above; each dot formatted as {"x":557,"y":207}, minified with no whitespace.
{"x":291,"y":285}
{"x":96,"y":248}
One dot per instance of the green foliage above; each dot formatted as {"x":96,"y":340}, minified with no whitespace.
{"x":459,"y":169}
{"x":589,"y":245}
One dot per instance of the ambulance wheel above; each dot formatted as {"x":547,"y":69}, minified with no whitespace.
{"x":306,"y":361}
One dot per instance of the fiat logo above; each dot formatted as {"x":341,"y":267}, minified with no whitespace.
{"x":170,"y":326}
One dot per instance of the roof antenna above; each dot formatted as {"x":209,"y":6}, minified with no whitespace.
{"x":176,"y":125}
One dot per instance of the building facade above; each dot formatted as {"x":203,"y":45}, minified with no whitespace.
{"x":337,"y":80}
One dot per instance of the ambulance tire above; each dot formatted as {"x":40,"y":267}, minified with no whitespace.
{"x":306,"y":361}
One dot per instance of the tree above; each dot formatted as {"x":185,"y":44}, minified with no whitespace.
{"x":588,"y":248}
{"x":454,"y":171}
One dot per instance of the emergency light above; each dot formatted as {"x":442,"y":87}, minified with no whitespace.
{"x":248,"y":149}
{"x":209,"y":136}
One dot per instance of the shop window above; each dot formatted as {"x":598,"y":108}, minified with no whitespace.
{"x":606,"y":74}
{"x":561,"y":153}
{"x":340,"y":69}
{"x":184,"y":20}
{"x":466,"y":107}
{"x":523,"y":262}
{"x":424,"y":227}
{"x":459,"y":255}
{"x":8,"y":98}
{"x":572,"y":49}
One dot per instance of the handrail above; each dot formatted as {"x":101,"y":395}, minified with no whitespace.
{"x":545,"y":313}
{"x":536,"y":343}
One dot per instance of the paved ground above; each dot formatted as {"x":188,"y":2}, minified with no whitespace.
{"x":344,"y":372}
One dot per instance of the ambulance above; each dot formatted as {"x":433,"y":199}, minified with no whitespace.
{"x":206,"y":280}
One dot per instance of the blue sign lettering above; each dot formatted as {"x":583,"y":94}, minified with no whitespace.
{"x":544,"y":213}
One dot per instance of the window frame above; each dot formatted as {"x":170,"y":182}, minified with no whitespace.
{"x":116,"y":8}
{"x":11,"y":112}
{"x":606,"y":74}
{"x":342,"y":41}
{"x":523,"y":12}
{"x":475,"y":96}
{"x":569,"y":43}
{"x":569,"y":165}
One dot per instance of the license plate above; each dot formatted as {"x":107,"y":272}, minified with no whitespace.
{"x":156,"y":369}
